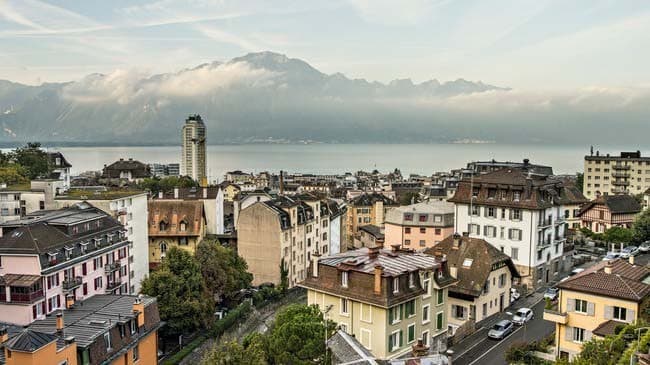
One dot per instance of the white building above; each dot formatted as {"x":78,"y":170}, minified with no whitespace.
{"x":193,"y":153}
{"x":521,"y":213}
{"x":130,"y":209}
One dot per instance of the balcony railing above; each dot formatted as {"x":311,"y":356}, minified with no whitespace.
{"x":624,"y":175}
{"x":620,"y":182}
{"x":555,"y":316}
{"x":619,"y":191}
{"x":112,"y":285}
{"x":70,"y":284}
{"x":621,"y":167}
{"x":112,"y":267}
{"x":27,"y":297}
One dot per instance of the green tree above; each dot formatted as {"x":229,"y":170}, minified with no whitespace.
{"x":641,"y":227}
{"x":284,"y":276}
{"x":298,"y":336}
{"x":183,"y":300}
{"x":12,"y":174}
{"x":234,"y":353}
{"x":166,"y":184}
{"x":33,"y":159}
{"x":409,"y":198}
{"x":580,"y":179}
{"x":224,"y":271}
{"x":618,"y":235}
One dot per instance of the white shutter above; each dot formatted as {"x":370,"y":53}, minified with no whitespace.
{"x":609,"y":312}
{"x":591,"y":308}
{"x":587,"y":336}
{"x":570,"y":304}
{"x":630,"y":316}
{"x":568,"y":333}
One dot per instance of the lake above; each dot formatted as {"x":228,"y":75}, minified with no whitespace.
{"x":339,"y":158}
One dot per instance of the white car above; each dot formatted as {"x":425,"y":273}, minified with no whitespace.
{"x":514,"y":294}
{"x":645,"y":247}
{"x":611,"y":256}
{"x":522,"y":316}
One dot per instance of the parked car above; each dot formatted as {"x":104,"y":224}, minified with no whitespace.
{"x":514,"y":294}
{"x":645,"y":247}
{"x":522,"y":316}
{"x":629,"y":251}
{"x":501,"y":329}
{"x":576,"y":271}
{"x":611,"y":256}
{"x":551,"y":293}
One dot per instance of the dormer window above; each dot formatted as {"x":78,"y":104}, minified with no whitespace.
{"x":408,"y":216}
{"x":396,"y":285}
{"x":98,"y":242}
{"x":183,"y":226}
{"x":411,"y":280}
{"x":162,"y":227}
{"x":52,"y":257}
{"x":344,"y":279}
{"x":516,"y":195}
{"x":68,"y":252}
{"x":84,"y":247}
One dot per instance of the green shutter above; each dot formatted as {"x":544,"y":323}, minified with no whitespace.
{"x":401,"y":312}
{"x":439,"y":321}
{"x":390,"y":343}
{"x":401,"y":338}
{"x":390,"y":315}
{"x":411,"y":334}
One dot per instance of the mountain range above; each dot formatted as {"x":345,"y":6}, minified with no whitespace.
{"x":270,"y":97}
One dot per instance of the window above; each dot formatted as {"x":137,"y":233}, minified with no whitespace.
{"x":440,"y":297}
{"x":474,"y":229}
{"x":344,"y":306}
{"x":439,"y":320}
{"x":502,"y":280}
{"x":438,"y":231}
{"x":411,"y":280}
{"x":423,"y":230}
{"x":409,"y":308}
{"x":407,"y":242}
{"x":408,"y":216}
{"x":578,"y":334}
{"x":366,"y":313}
{"x":514,"y":253}
{"x":514,"y":234}
{"x":182,"y":241}
{"x":437,"y":218}
{"x":423,"y":217}
{"x":458,"y":311}
{"x":344,"y":279}
{"x":476,"y":210}
{"x":423,"y":243}
{"x":395,"y":314}
{"x":620,"y":313}
{"x":426,"y":315}
{"x":516,"y":195}
{"x":407,"y":230}
{"x":581,"y":306}
{"x":489,"y":231}
{"x":136,"y":353}
{"x":516,"y":214}
{"x":395,"y":285}
{"x":410,"y":333}
{"x":491,"y":212}
{"x":395,"y":340}
{"x":425,"y":284}
{"x":425,"y":338}
{"x":107,"y":341}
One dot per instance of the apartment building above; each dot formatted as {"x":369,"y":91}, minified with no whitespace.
{"x":18,"y":200}
{"x":129,"y":207}
{"x":367,"y":208}
{"x":420,"y":225}
{"x":60,"y":169}
{"x":628,"y":173}
{"x":387,"y":298}
{"x":520,"y":213}
{"x":104,"y":329}
{"x":46,"y":257}
{"x":369,"y":236}
{"x":193,"y":154}
{"x":208,"y":196}
{"x":484,"y":276}
{"x":165,"y":170}
{"x":174,"y":223}
{"x":609,"y":211}
{"x":283,"y":231}
{"x":483,"y":167}
{"x":595,"y":301}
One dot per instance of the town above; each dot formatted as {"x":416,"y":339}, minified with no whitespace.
{"x":491,"y":263}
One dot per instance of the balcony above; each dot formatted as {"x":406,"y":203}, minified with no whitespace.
{"x":619,"y":191}
{"x":620,"y":183}
{"x":112,"y":267}
{"x":621,"y":167}
{"x":555,"y":316}
{"x":71,"y":284}
{"x":568,"y":247}
{"x":623,"y":175}
{"x":30,"y":297}
{"x":112,"y":285}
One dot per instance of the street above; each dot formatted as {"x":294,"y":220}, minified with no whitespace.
{"x":479,"y":349}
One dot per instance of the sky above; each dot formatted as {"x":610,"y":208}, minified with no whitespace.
{"x":524,"y":44}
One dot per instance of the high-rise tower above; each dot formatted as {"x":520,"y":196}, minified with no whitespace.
{"x":193,"y":155}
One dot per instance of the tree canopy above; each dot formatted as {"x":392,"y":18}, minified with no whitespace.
{"x":23,"y":164}
{"x":224,"y":271}
{"x":251,"y":351}
{"x":618,"y":235}
{"x":183,"y":301}
{"x":641,"y":227}
{"x":165,"y":184}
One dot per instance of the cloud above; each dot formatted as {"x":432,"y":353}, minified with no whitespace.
{"x":127,"y":86}
{"x":395,"y":13}
{"x":225,"y":37}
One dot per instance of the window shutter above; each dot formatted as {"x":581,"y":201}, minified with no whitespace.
{"x":568,"y":335}
{"x":43,"y":307}
{"x":591,"y":308}
{"x":49,"y":282}
{"x":630,"y":316}
{"x":570,"y":304}
{"x":94,"y":264}
{"x":510,"y":214}
{"x":34,"y":311}
{"x":390,"y":343}
{"x":83,"y":269}
{"x":401,"y":312}
{"x":390,"y":314}
{"x":73,"y":272}
{"x":401,"y":338}
{"x":587,"y":335}
{"x":609,"y":312}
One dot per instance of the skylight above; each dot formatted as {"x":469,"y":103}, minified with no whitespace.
{"x":468,"y":263}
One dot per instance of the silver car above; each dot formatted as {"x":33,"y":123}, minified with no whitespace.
{"x":501,"y":329}
{"x":522,"y":316}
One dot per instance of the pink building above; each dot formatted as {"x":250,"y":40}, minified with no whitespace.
{"x":52,"y":258}
{"x":419,"y":226}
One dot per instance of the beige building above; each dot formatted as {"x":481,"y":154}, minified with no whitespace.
{"x":609,"y":211}
{"x":595,"y":301}
{"x":367,"y":208}
{"x":484,"y":275}
{"x":420,"y":225}
{"x":283,"y":231}
{"x":628,"y":173}
{"x":193,"y":154}
{"x":386,"y":298}
{"x":174,"y":223}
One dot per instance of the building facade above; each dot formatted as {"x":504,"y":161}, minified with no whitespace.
{"x":628,"y":173}
{"x":609,"y":211}
{"x":364,"y":209}
{"x":60,"y":168}
{"x":76,"y":252}
{"x":420,"y":225}
{"x":125,"y":170}
{"x":521,"y":214}
{"x":595,"y":301}
{"x":193,"y":154}
{"x":387,"y":298}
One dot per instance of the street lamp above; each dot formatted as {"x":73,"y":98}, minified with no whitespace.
{"x":450,"y":355}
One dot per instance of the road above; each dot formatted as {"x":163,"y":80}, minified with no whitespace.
{"x":486,"y":351}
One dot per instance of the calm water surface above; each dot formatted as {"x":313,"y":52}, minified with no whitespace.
{"x":333,"y":158}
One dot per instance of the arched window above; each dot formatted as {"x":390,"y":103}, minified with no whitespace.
{"x":162,"y":226}
{"x":183,"y":226}
{"x":163,"y":247}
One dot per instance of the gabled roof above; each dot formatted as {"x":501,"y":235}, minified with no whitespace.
{"x":617,"y":204}
{"x":29,"y":341}
{"x":367,"y":199}
{"x":189,"y":211}
{"x":137,"y":168}
{"x":626,"y":281}
{"x":372,"y":230}
{"x":347,"y":349}
{"x":62,"y":161}
{"x":481,"y":257}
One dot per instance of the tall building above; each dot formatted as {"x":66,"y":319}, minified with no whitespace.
{"x":628,"y":173}
{"x":193,"y":155}
{"x":367,"y":208}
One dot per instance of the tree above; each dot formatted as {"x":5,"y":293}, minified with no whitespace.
{"x":183,"y":300}
{"x":618,"y":235}
{"x":409,"y":198}
{"x":641,"y":227}
{"x":234,"y":353}
{"x":580,"y":178}
{"x":13,"y":174}
{"x":298,"y":336}
{"x":224,"y":271}
{"x":33,"y":159}
{"x":284,"y":276}
{"x":166,"y":184}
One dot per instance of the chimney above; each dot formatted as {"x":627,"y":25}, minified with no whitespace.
{"x":138,"y":311}
{"x":526,"y":163}
{"x":631,"y":260}
{"x":69,"y":340}
{"x":457,"y":240}
{"x":379,"y":270}
{"x":69,"y":301}
{"x":281,"y":182}
{"x":608,"y":267}
{"x":395,"y":247}
{"x":453,"y":271}
{"x":419,"y":349}
{"x":4,"y":335}
{"x":315,"y":257}
{"x":59,"y":322}
{"x":373,"y":252}
{"x":205,"y":193}
{"x":121,"y":159}
{"x":175,"y":193}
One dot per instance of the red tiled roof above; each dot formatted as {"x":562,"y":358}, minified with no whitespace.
{"x":624,"y":282}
